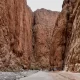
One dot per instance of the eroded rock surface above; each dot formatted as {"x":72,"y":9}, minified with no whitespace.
{"x":65,"y":50}
{"x":73,"y":50}
{"x":42,"y":32}
{"x":15,"y":35}
{"x":55,"y":38}
{"x":59,"y":41}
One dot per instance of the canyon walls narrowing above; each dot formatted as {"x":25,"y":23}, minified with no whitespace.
{"x":42,"y":39}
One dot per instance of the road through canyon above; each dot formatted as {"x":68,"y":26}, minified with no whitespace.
{"x":62,"y":75}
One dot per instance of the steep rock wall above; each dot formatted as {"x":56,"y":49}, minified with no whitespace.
{"x":15,"y":35}
{"x":65,"y":50}
{"x":73,"y":49}
{"x":44,"y":21}
{"x":63,"y":41}
{"x":56,"y":37}
{"x":57,"y":52}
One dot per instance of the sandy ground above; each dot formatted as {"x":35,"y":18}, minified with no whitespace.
{"x":53,"y":76}
{"x":39,"y":75}
{"x":16,"y":75}
{"x":65,"y":76}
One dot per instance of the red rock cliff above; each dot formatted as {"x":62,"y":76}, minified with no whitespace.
{"x":59,"y":41}
{"x":55,"y":40}
{"x":73,"y":48}
{"x":65,"y":51}
{"x":15,"y":35}
{"x":42,"y":32}
{"x":65,"y":43}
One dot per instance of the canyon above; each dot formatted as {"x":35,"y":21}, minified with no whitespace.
{"x":42,"y":39}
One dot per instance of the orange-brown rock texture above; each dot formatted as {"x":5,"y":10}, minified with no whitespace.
{"x":44,"y":21}
{"x":73,"y":49}
{"x":15,"y":35}
{"x":41,"y":40}
{"x":57,"y":52}
{"x":65,"y":50}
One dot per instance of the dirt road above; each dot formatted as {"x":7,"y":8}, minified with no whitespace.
{"x":53,"y":76}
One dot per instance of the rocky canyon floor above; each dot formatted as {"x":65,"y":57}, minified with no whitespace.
{"x":39,"y":75}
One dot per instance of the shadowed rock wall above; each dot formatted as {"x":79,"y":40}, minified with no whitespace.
{"x":65,"y":50}
{"x":44,"y":22}
{"x":73,"y":48}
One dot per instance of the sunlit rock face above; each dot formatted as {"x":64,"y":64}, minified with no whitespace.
{"x":73,"y":47}
{"x":44,"y":22}
{"x":15,"y":35}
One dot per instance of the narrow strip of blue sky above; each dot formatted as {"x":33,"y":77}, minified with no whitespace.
{"x":54,"y":5}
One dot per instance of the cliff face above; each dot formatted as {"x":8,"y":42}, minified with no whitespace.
{"x":59,"y":41}
{"x":42,"y":32}
{"x":59,"y":44}
{"x":73,"y":49}
{"x":15,"y":35}
{"x":65,"y":50}
{"x":55,"y":37}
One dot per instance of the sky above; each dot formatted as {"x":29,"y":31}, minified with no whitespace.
{"x":54,"y":5}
